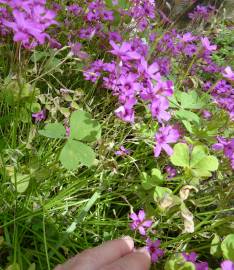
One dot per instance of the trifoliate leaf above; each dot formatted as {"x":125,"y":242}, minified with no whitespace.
{"x":83,"y":127}
{"x":227,"y":247}
{"x":75,"y":152}
{"x":180,"y":155}
{"x":54,"y":130}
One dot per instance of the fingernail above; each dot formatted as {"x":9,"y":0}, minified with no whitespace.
{"x":129,"y":241}
{"x":144,"y":251}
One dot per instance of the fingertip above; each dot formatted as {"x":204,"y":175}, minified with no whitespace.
{"x":128,"y":241}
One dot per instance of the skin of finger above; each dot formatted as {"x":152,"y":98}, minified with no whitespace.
{"x":138,"y":260}
{"x":96,"y":258}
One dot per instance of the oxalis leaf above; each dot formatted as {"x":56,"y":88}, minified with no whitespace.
{"x":54,"y":130}
{"x":180,"y":155}
{"x":227,"y":247}
{"x":200,"y":164}
{"x":74,"y":153}
{"x":83,"y":127}
{"x":20,"y":182}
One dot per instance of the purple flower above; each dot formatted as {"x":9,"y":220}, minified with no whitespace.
{"x":151,"y":71}
{"x":206,"y":114}
{"x":122,"y":151}
{"x":228,"y":73}
{"x":68,"y":131}
{"x":154,"y":250}
{"x":163,"y":137}
{"x":124,"y":51}
{"x":39,"y":116}
{"x":158,"y":108}
{"x":76,"y":50}
{"x":126,"y":112}
{"x":29,"y":22}
{"x":206,"y":44}
{"x":192,"y":257}
{"x":171,"y":172}
{"x":188,"y":37}
{"x":226,"y":145}
{"x":139,"y":222}
{"x":227,"y":265}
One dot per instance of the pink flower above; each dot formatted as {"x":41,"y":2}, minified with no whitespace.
{"x":124,"y":51}
{"x":206,"y":44}
{"x":163,"y":137}
{"x":39,"y":116}
{"x":139,"y":222}
{"x":153,"y":249}
{"x":228,"y":73}
{"x":122,"y":151}
{"x":227,"y":265}
{"x":158,"y":108}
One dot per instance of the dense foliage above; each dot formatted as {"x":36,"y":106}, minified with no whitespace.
{"x":114,"y":122}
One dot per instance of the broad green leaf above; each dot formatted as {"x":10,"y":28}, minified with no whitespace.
{"x":21,"y":182}
{"x":145,"y":181}
{"x":188,"y":116}
{"x":188,"y":126}
{"x":156,"y":176}
{"x":180,"y":155}
{"x":227,"y":247}
{"x":83,"y":127}
{"x":187,"y":266}
{"x":160,"y":192}
{"x":191,"y":100}
{"x":155,"y":179}
{"x":208,"y":163}
{"x":35,"y":107}
{"x":54,"y":130}
{"x":215,"y":246}
{"x":75,"y":152}
{"x":197,"y":155}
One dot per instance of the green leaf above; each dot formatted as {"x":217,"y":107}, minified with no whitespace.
{"x":161,"y":192}
{"x":54,"y":130}
{"x":208,"y":163}
{"x":145,"y":181}
{"x":187,"y":115}
{"x":180,"y":155}
{"x":75,"y":152}
{"x":227,"y":247}
{"x":83,"y":127}
{"x":156,"y":176}
{"x":35,"y":107}
{"x":155,"y":179}
{"x":21,"y":182}
{"x":215,"y":246}
{"x":188,"y":126}
{"x":197,"y":155}
{"x":191,"y":100}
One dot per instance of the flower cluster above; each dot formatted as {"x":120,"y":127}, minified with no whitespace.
{"x":140,"y":223}
{"x":29,"y":21}
{"x":227,"y":146}
{"x":202,"y":12}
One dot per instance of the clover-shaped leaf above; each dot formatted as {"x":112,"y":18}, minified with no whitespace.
{"x":54,"y":131}
{"x":75,"y":152}
{"x":180,"y":155}
{"x":199,"y":163}
{"x":83,"y":127}
{"x":227,"y":247}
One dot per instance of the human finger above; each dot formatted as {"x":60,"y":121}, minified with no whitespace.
{"x":95,"y":258}
{"x":138,"y":260}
